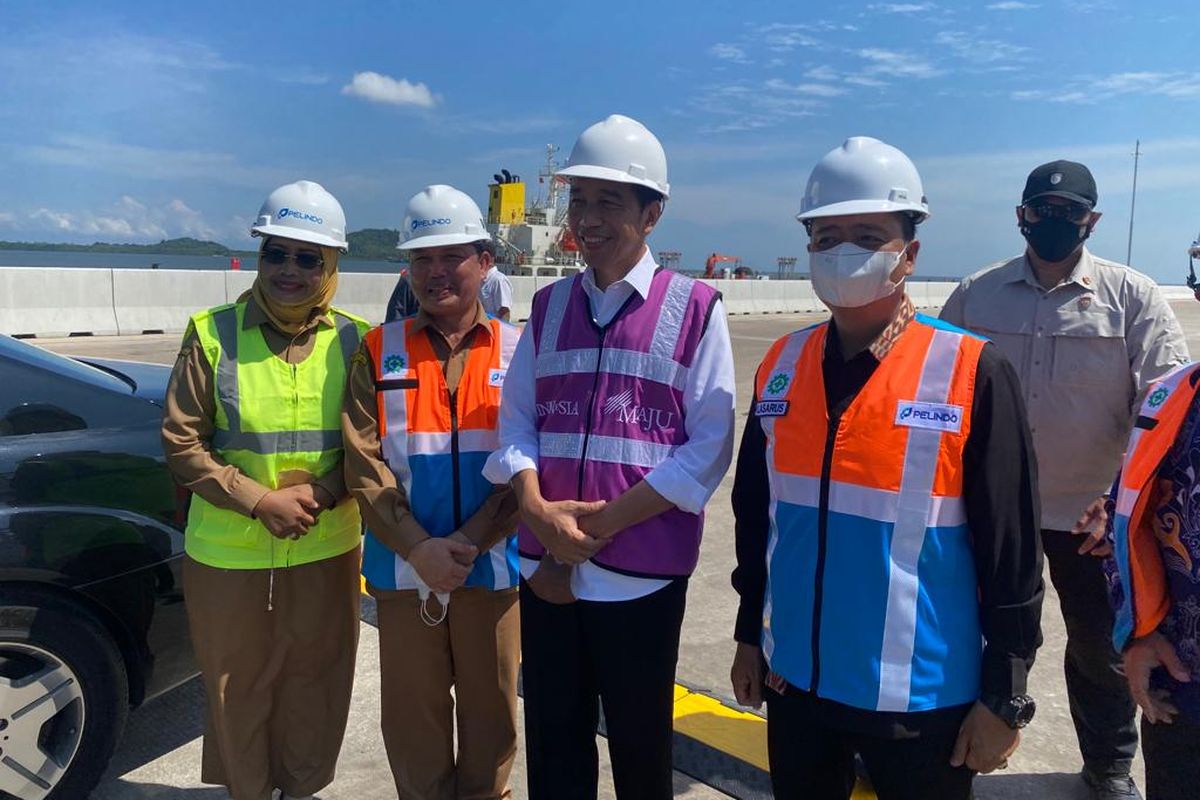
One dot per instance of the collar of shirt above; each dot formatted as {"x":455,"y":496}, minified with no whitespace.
{"x":638,"y":278}
{"x":1084,"y":274}
{"x":424,"y":321}
{"x":255,"y":316}
{"x":882,"y":344}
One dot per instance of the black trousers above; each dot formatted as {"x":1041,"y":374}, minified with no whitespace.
{"x":1172,"y":754}
{"x":812,"y":756}
{"x":579,"y":656}
{"x":1101,"y":707}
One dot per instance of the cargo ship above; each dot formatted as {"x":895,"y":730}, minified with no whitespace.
{"x":531,"y":234}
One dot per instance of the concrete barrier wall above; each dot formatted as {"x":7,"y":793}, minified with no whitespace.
{"x":35,"y":301}
{"x":146,"y":300}
{"x":42,"y":301}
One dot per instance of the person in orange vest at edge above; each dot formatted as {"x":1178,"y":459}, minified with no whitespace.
{"x":1154,"y":579}
{"x":252,"y":427}
{"x":440,"y":555}
{"x":616,"y":428}
{"x":888,"y":559}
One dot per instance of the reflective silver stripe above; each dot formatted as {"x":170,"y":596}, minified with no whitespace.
{"x":787,"y":361}
{"x":556,"y":309}
{"x":264,"y":443}
{"x":499,"y":557}
{"x":609,"y":449}
{"x":644,"y":366}
{"x":862,"y":501}
{"x":272,"y":442}
{"x":426,"y":443}
{"x":226,"y":323}
{"x":912,"y":520}
{"x":395,"y":404}
{"x":509,"y":336}
{"x":348,"y":336}
{"x":670,"y":316}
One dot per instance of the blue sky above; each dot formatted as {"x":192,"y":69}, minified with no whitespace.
{"x":133,"y":122}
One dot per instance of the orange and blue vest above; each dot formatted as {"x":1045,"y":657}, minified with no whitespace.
{"x":871,"y":596}
{"x":436,"y":443}
{"x":1145,"y":599}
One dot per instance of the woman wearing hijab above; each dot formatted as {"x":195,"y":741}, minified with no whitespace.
{"x":252,"y":428}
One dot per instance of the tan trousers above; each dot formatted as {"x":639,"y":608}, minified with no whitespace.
{"x":476,"y":649}
{"x":278,"y":682}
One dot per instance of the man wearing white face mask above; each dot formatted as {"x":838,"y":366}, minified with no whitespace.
{"x":886,"y":518}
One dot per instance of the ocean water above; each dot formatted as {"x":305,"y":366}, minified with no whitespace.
{"x":46,"y":258}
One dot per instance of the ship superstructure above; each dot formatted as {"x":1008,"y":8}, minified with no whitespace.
{"x":532,"y":239}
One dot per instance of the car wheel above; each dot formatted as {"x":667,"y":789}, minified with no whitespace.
{"x":64,"y":696}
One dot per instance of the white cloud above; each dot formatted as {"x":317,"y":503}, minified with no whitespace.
{"x":127,"y":219}
{"x":136,"y":161}
{"x":978,"y":50}
{"x":1011,"y":5}
{"x":783,"y":37}
{"x":1176,"y":85}
{"x":728,"y":52}
{"x":897,"y":64}
{"x":901,"y":8}
{"x":813,"y":89}
{"x":822,"y":73}
{"x":377,"y":88}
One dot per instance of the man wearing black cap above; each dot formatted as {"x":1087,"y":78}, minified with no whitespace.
{"x":1087,"y":336}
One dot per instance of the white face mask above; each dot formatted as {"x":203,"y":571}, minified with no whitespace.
{"x":848,"y":276}
{"x":423,"y":593}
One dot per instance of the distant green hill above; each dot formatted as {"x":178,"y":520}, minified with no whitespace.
{"x":374,"y":244}
{"x":185,"y":246}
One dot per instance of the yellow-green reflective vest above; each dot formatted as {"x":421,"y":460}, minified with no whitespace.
{"x":280,"y":424}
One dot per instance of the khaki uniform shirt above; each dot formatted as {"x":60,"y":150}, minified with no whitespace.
{"x":1085,"y":351}
{"x":383,"y":501}
{"x":191,"y":407}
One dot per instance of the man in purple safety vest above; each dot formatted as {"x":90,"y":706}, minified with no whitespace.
{"x":616,"y":426}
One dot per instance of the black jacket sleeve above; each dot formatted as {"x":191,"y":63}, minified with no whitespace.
{"x":1003,"y":516}
{"x":752,"y":523}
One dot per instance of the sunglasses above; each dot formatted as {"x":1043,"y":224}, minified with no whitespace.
{"x":1072,"y":212}
{"x":304,"y":260}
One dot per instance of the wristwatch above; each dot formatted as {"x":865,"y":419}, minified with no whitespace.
{"x":1016,"y":711}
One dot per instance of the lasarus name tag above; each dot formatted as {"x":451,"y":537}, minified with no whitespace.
{"x":771,"y":408}
{"x":933,"y":416}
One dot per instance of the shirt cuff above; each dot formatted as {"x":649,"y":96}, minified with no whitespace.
{"x":506,"y":462}
{"x":682,"y":490}
{"x":748,"y":627}
{"x":1003,"y":676}
{"x":245,"y":494}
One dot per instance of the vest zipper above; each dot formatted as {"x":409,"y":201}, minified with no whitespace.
{"x":587,"y":424}
{"x":822,"y":534}
{"x":455,"y":480}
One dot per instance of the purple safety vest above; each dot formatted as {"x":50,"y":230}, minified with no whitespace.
{"x":610,"y":409}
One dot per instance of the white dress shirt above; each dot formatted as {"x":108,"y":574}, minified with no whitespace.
{"x":496,"y":292}
{"x":687,"y":478}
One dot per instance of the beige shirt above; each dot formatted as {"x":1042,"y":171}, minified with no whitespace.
{"x":382,"y":499}
{"x":1085,"y":352}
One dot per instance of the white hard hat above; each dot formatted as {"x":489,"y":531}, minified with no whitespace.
{"x":303,"y":211}
{"x":619,"y":149}
{"x":439,"y":215}
{"x":863,"y":176}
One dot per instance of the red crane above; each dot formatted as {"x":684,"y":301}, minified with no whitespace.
{"x":710,"y":265}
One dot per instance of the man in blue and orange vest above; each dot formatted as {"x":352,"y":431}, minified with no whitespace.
{"x":440,"y":555}
{"x":886,"y":518}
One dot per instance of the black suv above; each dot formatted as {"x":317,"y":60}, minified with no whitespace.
{"x":92,"y":619}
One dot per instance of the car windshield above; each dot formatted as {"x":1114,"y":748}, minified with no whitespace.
{"x":17,"y":350}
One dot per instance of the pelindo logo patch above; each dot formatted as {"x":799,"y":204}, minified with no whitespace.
{"x":284,"y":213}
{"x":933,"y":416}
{"x":417,"y":224}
